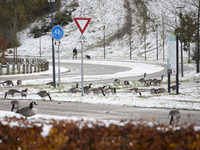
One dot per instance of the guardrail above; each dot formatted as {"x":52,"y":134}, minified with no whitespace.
{"x":23,"y":66}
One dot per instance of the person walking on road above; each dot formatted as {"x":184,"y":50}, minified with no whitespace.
{"x":75,"y":53}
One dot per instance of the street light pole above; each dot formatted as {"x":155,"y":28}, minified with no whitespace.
{"x":53,"y":52}
{"x":40,"y":27}
{"x":104,"y":41}
{"x":163,"y":36}
{"x":196,"y":45}
{"x":197,"y":39}
{"x":157,"y":41}
{"x":180,"y":15}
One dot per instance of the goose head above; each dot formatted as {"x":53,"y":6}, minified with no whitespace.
{"x":31,"y":104}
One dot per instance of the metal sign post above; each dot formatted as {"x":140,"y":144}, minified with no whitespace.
{"x":57,"y":34}
{"x":82,"y":40}
{"x":82,"y":24}
{"x":82,"y":78}
{"x":58,"y":65}
{"x":177,"y":68}
{"x":172,"y":59}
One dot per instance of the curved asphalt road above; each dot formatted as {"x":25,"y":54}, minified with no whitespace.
{"x":99,"y":111}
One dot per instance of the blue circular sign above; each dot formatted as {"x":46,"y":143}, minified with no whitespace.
{"x":57,"y":32}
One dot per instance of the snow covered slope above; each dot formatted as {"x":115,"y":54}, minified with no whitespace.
{"x":125,"y":21}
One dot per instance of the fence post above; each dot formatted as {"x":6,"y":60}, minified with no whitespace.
{"x":18,"y":68}
{"x":35,"y":67}
{"x":1,"y":71}
{"x":42,"y":66}
{"x":23,"y":69}
{"x":27,"y":68}
{"x":13,"y":68}
{"x":7,"y":69}
{"x":39,"y":68}
{"x":31,"y":69}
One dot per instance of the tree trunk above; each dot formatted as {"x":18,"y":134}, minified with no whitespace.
{"x":188,"y":47}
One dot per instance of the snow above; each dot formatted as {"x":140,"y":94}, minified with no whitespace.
{"x":112,"y":14}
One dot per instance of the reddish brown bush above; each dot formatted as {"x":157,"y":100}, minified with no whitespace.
{"x":96,"y":136}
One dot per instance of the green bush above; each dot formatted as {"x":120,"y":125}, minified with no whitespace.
{"x":63,"y":18}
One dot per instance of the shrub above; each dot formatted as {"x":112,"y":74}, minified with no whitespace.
{"x":89,"y":135}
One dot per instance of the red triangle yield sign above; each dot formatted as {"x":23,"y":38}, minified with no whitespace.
{"x":82,"y":23}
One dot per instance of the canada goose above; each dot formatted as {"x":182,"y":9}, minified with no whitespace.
{"x":87,"y":88}
{"x":155,"y":81}
{"x":43,"y":94}
{"x":113,"y":90}
{"x":11,"y":92}
{"x":74,"y":89}
{"x":147,"y":82}
{"x":15,"y":104}
{"x":107,"y":90}
{"x":142,"y":80}
{"x":136,"y":90}
{"x":98,"y":91}
{"x":153,"y":91}
{"x":28,"y":111}
{"x":158,"y":81}
{"x":173,"y":87}
{"x":19,"y":82}
{"x":8,"y":83}
{"x":126,"y":82}
{"x":117,"y":81}
{"x":2,"y":83}
{"x":160,"y":90}
{"x":51,"y":83}
{"x":102,"y":88}
{"x":174,"y":114}
{"x":88,"y":57}
{"x":24,"y":93}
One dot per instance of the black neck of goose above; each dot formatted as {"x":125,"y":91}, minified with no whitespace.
{"x":31,"y":105}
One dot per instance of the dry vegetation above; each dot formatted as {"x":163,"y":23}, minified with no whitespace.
{"x":89,"y":135}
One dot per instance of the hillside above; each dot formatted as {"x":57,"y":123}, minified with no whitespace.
{"x":125,"y":22}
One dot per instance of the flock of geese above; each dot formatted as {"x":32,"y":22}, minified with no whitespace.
{"x":104,"y":90}
{"x":43,"y":94}
{"x":149,"y":82}
{"x":29,"y":111}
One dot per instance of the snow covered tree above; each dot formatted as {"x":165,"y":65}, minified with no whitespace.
{"x":188,"y":32}
{"x":3,"y":48}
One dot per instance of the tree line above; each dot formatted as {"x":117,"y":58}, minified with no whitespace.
{"x":18,"y":14}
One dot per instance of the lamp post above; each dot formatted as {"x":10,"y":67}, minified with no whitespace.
{"x":104,"y":38}
{"x":157,"y":41}
{"x":197,"y":43}
{"x":163,"y":36}
{"x":198,"y":38}
{"x":40,"y":27}
{"x":180,"y":15}
{"x":53,"y":52}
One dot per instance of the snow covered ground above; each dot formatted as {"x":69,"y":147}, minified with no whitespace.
{"x":187,"y":99}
